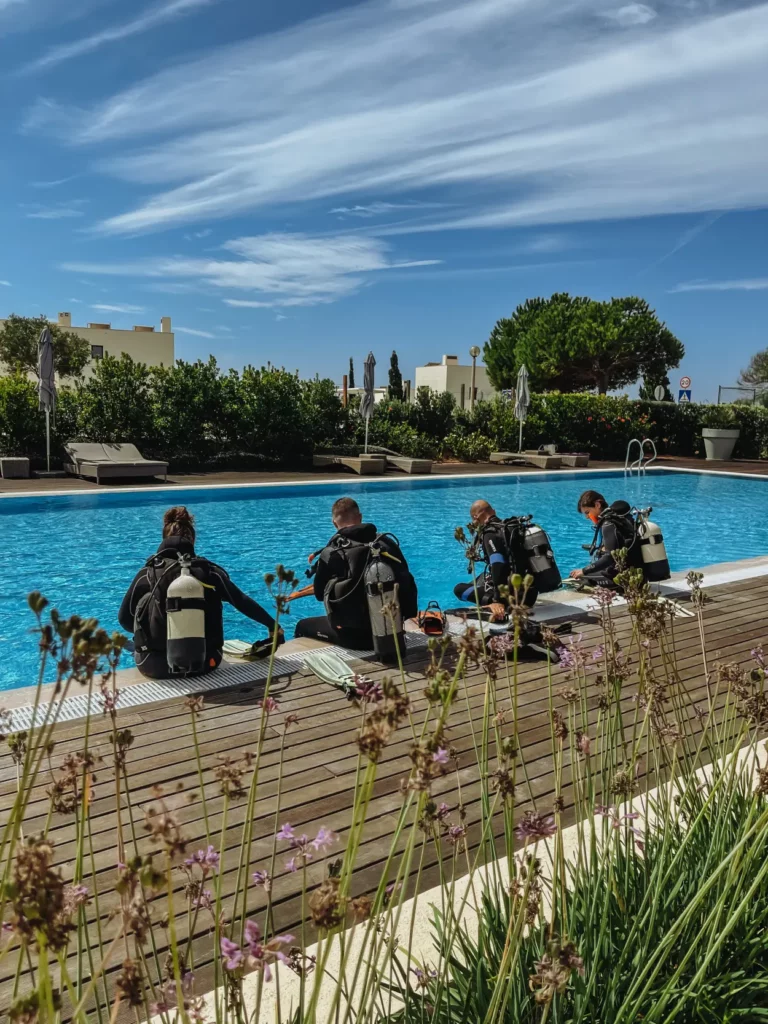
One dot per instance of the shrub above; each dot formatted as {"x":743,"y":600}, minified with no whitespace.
{"x":474,"y":447}
{"x":115,"y":405}
{"x":22,"y":425}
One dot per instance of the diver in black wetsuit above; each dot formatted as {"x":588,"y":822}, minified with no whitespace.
{"x":615,"y":529}
{"x":151,"y":584}
{"x":500,"y":563}
{"x":338,"y":581}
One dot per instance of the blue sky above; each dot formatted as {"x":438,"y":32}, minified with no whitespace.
{"x":301,"y":181}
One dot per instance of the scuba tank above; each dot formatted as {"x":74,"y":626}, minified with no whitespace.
{"x":540,"y":560}
{"x":185,"y":612}
{"x":530,"y":546}
{"x":382,"y":593}
{"x":652,"y":548}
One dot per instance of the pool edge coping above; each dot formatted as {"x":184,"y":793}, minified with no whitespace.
{"x":585,"y":470}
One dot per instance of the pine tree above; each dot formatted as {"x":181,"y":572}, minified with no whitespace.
{"x":395,"y":378}
{"x":351,"y":373}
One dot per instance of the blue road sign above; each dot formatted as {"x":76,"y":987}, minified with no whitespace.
{"x":684,"y":395}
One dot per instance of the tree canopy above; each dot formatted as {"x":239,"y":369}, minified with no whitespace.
{"x":351,"y":381}
{"x":756,"y":374}
{"x":573,"y":343}
{"x":18,"y":346}
{"x":395,"y":378}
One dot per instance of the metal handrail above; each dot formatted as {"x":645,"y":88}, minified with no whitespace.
{"x":639,"y":464}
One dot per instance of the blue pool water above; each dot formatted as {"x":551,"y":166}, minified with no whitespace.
{"x":82,"y":550}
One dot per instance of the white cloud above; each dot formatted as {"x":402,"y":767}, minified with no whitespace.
{"x":283,"y":269}
{"x":52,"y":184}
{"x":633,"y":14}
{"x":529,"y":111}
{"x":280,"y":316}
{"x":198,"y":234}
{"x":118,"y":309}
{"x":380,"y":209}
{"x":59,"y":211}
{"x":749,"y":284}
{"x":223,"y":327}
{"x":192,"y":330}
{"x":78,"y":301}
{"x":148,"y":19}
{"x":6,"y":284}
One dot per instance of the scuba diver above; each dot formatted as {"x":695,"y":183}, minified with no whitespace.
{"x":508,"y":546}
{"x":617,"y":528}
{"x":174,"y":606}
{"x":363,"y":580}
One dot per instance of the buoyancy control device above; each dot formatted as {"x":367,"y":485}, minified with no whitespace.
{"x":185,"y":613}
{"x":652,"y":548}
{"x":531,"y":545}
{"x":382,"y":592}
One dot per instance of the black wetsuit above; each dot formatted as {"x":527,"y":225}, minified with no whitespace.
{"x":500,"y":564}
{"x":153,"y":663}
{"x":338,"y":582}
{"x":615,"y":530}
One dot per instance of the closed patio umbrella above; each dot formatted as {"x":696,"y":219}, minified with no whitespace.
{"x":522,"y":401}
{"x":46,"y":385}
{"x":367,"y":401}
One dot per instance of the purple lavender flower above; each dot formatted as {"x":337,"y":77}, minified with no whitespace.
{"x":423,"y":977}
{"x":598,"y":653}
{"x":207,"y":859}
{"x":368,"y":691}
{"x":269,"y":704}
{"x":286,"y":832}
{"x":442,"y":811}
{"x":456,"y":833}
{"x":604,"y":597}
{"x":758,"y":655}
{"x":535,"y":826}
{"x":616,"y":819}
{"x":260,"y":953}
{"x":324,"y":839}
{"x":441,"y":756}
{"x":262,"y":880}
{"x":233,"y":955}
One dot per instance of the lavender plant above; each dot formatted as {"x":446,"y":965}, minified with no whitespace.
{"x":653,"y":908}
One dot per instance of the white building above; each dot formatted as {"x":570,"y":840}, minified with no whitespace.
{"x":143,"y":344}
{"x":449,"y":375}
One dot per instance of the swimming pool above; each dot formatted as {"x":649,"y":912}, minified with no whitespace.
{"x":82,"y":549}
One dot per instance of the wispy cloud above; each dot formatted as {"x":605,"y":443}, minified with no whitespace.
{"x":152,"y":17}
{"x":52,"y":184}
{"x":192,"y":235}
{"x":380,"y":209}
{"x":78,"y":301}
{"x":193,"y":330}
{"x":687,"y":237}
{"x":749,"y":284}
{"x":7,"y":284}
{"x":104,"y":307}
{"x":57,"y":211}
{"x":525,"y":111}
{"x":282,"y":269}
{"x":223,"y":327}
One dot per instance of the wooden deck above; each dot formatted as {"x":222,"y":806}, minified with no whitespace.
{"x":319,"y":773}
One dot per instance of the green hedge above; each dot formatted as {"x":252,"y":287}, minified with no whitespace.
{"x":196,"y":417}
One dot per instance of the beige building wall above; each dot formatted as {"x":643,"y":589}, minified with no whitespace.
{"x":143,"y":344}
{"x":449,"y":375}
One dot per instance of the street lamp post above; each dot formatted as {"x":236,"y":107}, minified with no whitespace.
{"x":474,"y":352}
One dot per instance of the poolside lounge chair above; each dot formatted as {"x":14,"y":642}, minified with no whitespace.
{"x":364,"y":465}
{"x":110,"y":462}
{"x":577,"y":460}
{"x":403,"y":462}
{"x":531,"y":458}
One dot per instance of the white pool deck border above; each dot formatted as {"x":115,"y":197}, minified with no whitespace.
{"x":325,"y":480}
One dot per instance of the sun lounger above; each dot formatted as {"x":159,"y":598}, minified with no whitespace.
{"x":579,"y":460}
{"x":364,"y":465}
{"x":403,"y":462}
{"x":110,"y":462}
{"x":533,"y":459}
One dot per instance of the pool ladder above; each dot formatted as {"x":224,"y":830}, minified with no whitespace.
{"x":638,"y":463}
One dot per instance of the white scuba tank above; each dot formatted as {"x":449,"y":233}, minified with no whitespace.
{"x":653,"y":551}
{"x":185,"y":610}
{"x":382,"y":595}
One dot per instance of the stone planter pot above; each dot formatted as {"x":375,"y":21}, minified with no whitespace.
{"x":719,"y":443}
